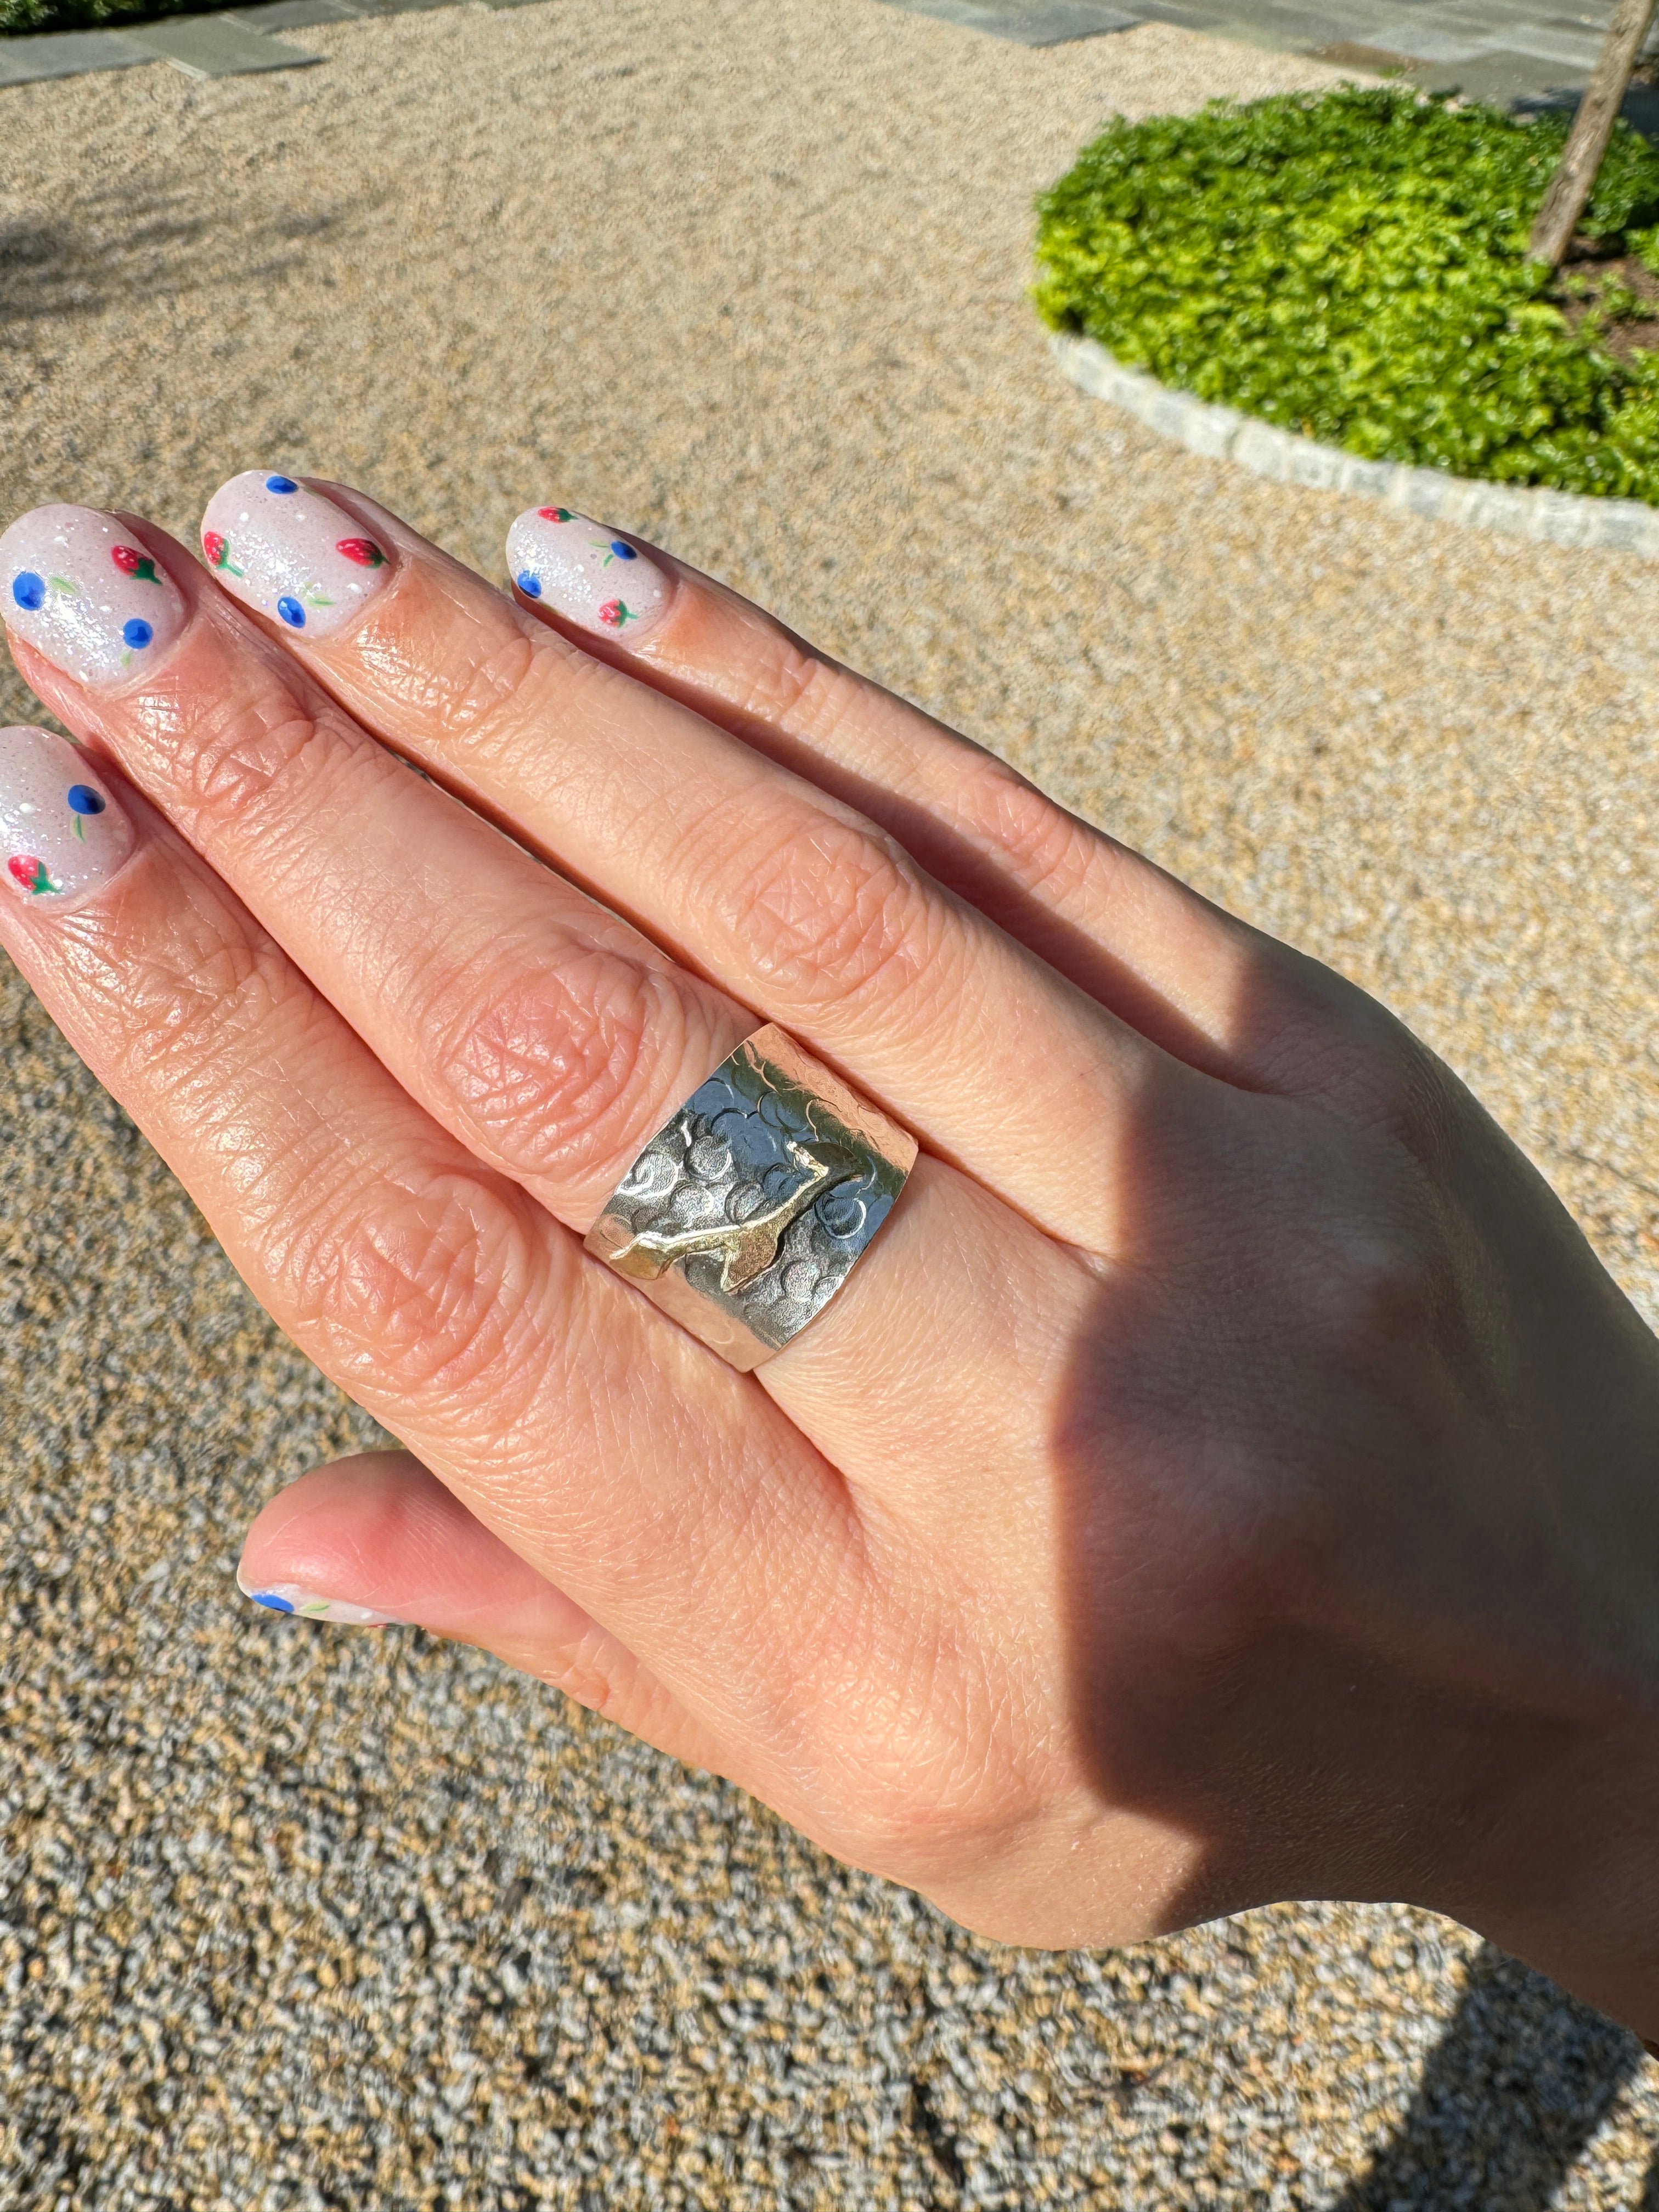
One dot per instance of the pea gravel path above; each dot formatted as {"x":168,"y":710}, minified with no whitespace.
{"x":295,"y":1918}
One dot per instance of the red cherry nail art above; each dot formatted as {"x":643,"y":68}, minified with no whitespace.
{"x":32,"y":874}
{"x":216,"y":546}
{"x":363,"y":551}
{"x":131,"y":562}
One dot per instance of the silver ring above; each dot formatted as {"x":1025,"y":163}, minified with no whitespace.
{"x":744,"y":1214}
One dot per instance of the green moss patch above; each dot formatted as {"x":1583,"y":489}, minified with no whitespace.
{"x":1353,"y":266}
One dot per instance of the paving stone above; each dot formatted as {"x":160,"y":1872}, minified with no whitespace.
{"x":1252,"y":35}
{"x":399,"y":6}
{"x":1572,"y":52}
{"x":1044,"y":23}
{"x":218,"y":46}
{"x":1296,"y":28}
{"x":1289,"y":29}
{"x":294,"y":15}
{"x":1420,"y":42}
{"x":66,"y":53}
{"x":1185,"y":19}
{"x":1500,"y":50}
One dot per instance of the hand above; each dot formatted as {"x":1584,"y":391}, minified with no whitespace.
{"x":1229,"y":1475}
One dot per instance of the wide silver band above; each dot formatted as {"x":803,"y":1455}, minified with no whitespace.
{"x":746,"y":1214}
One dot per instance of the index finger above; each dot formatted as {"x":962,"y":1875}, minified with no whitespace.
{"x":665,"y":1493}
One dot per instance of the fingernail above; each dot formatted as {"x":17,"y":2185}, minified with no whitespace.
{"x":62,"y":832}
{"x":291,"y":553}
{"x":84,"y":593}
{"x":585,"y":572}
{"x":293,"y":1597}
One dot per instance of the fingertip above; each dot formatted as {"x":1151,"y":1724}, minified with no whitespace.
{"x":587,"y":572}
{"x":292,"y":553}
{"x":377,"y":1537}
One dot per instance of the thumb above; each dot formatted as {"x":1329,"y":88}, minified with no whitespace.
{"x":376,"y":1541}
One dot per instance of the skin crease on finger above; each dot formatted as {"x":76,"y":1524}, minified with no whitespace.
{"x":1327,"y":1565}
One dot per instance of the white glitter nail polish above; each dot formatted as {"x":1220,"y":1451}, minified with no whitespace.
{"x":307,"y":1605}
{"x":584,"y":571}
{"x":80,"y":587}
{"x":291,"y":553}
{"x":63,"y":833}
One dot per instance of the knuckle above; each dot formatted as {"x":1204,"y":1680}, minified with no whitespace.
{"x":244,"y":753}
{"x":494,"y":685}
{"x":489,"y":683}
{"x":1392,"y":1082}
{"x":789,"y":685}
{"x":1387,"y":1293}
{"x":409,"y":1286}
{"x":831,"y":910}
{"x":1383,"y":1285}
{"x":1044,"y":847}
{"x":187,"y":1000}
{"x":559,"y":1070}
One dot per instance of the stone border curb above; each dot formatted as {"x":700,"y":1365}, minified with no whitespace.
{"x":1551,"y":518}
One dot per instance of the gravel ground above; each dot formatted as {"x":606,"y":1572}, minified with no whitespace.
{"x":293,"y":1918}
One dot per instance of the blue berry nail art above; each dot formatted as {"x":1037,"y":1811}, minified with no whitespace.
{"x":82,"y":801}
{"x":280,"y":483}
{"x":291,"y":612}
{"x":559,"y":557}
{"x":307,"y":1605}
{"x":84,"y":595}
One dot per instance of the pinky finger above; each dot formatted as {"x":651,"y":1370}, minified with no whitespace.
{"x":1197,"y":981}
{"x":376,"y":1539}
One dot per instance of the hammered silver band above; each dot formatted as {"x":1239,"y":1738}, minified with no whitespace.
{"x":744,"y":1214}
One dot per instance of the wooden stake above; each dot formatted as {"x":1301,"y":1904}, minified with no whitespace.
{"x":1592,"y":127}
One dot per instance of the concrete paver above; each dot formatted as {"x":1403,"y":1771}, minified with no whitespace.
{"x":1488,"y":48}
{"x":68,"y":53}
{"x":219,"y":46}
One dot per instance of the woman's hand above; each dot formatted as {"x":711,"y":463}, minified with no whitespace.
{"x":1229,"y":1475}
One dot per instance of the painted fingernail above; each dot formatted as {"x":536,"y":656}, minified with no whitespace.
{"x":63,"y":833}
{"x":82,"y":591}
{"x":585,"y":572}
{"x":291,"y":553}
{"x":292,"y":1597}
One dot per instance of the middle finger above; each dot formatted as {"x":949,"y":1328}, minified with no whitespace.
{"x":786,"y":895}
